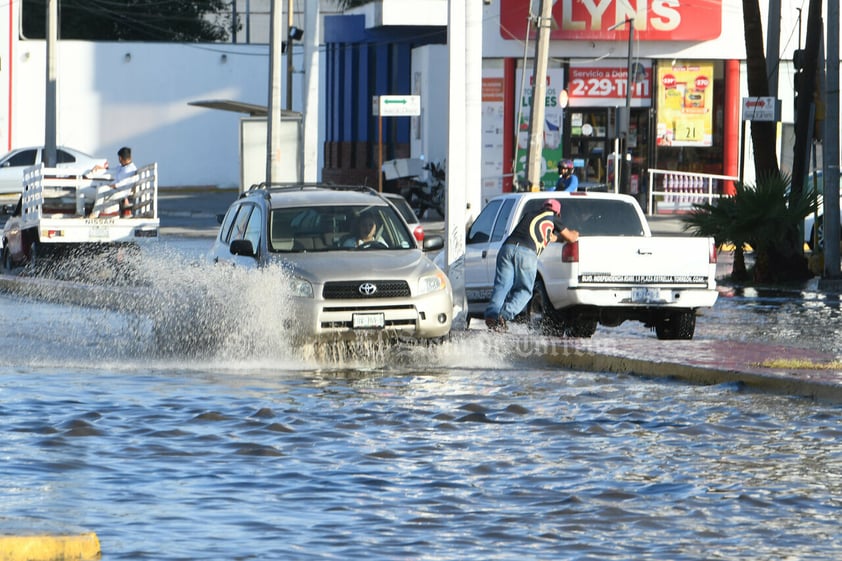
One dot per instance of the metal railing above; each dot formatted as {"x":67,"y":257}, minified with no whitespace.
{"x":678,"y":190}
{"x":76,"y":193}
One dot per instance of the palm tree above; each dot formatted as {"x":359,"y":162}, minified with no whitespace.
{"x":763,"y":134}
{"x":764,"y":217}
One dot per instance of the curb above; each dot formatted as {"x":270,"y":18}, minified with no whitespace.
{"x":80,"y":547}
{"x":771,"y":382}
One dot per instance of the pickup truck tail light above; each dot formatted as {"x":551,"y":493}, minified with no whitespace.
{"x":570,"y":252}
{"x":712,"y":253}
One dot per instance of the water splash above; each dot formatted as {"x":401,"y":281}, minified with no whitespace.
{"x":161,"y":306}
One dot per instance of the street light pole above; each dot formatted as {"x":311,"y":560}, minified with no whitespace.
{"x":50,"y":121}
{"x":273,"y":124}
{"x":290,"y":21}
{"x":625,"y":116}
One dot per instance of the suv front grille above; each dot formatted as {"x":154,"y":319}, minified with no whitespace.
{"x":349,"y":290}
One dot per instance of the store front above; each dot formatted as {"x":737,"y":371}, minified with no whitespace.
{"x":677,"y":121}
{"x":683,"y":108}
{"x":684,"y":93}
{"x":593,"y":142}
{"x":593,"y":96}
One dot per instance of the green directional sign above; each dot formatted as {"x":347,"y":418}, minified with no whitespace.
{"x":396,"y":105}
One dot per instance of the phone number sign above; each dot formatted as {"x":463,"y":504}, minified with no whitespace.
{"x":606,"y":86}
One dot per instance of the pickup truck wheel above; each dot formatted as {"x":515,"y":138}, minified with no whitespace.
{"x":581,"y":326}
{"x":540,"y":313}
{"x":33,"y":255}
{"x":679,"y":325}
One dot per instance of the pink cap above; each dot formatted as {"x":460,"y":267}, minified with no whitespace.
{"x":553,"y":205}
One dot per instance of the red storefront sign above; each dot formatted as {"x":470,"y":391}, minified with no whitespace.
{"x":654,"y":20}
{"x":589,"y":85}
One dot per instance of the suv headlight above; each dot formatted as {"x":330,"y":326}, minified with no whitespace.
{"x":300,"y":288}
{"x":432,"y":283}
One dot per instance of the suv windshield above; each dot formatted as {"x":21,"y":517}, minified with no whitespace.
{"x":337,"y":228}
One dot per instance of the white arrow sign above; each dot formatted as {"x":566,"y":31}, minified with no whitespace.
{"x":396,"y":105}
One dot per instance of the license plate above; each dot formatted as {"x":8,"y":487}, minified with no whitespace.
{"x":369,"y":321}
{"x":645,"y":294}
{"x":98,"y":232}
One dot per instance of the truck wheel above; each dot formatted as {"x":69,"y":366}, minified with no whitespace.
{"x":33,"y":256}
{"x":7,"y":261}
{"x":581,"y":326}
{"x":540,"y":313}
{"x":678,"y":325}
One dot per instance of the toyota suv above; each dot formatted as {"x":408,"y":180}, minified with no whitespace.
{"x":342,"y":286}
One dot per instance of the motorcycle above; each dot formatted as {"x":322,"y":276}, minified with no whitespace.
{"x":428,"y":193}
{"x":421,"y":183}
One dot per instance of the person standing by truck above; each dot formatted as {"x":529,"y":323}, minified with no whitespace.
{"x":517,"y":262}
{"x":126,"y":169}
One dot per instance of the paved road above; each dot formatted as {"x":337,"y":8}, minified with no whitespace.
{"x":192,"y":213}
{"x":792,"y":371}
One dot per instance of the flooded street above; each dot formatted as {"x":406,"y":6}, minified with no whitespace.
{"x":249,"y":448}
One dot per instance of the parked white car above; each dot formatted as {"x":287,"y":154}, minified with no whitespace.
{"x":13,"y":163}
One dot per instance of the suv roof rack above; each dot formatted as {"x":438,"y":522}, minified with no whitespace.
{"x":267,"y":188}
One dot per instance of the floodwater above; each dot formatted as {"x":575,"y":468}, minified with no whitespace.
{"x":250,"y":448}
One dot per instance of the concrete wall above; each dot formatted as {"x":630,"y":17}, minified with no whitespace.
{"x":138,"y":94}
{"x":429,"y":80}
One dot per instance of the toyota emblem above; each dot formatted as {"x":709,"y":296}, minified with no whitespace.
{"x":367,"y":288}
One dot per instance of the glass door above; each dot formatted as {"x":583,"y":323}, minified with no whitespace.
{"x":590,"y":144}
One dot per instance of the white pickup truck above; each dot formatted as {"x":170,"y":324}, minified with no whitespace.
{"x":617,"y":271}
{"x":62,"y":208}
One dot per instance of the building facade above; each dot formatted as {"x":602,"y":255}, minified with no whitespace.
{"x":687,"y":83}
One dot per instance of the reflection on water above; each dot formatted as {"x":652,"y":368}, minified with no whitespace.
{"x":805,"y":319}
{"x":254,"y":449}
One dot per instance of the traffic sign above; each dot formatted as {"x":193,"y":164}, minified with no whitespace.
{"x":396,"y":105}
{"x":761,"y":109}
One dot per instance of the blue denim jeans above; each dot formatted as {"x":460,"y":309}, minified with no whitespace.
{"x":514,"y":279}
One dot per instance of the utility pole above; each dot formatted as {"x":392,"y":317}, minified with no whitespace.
{"x":624,"y":116}
{"x":773,"y":47}
{"x":534,"y":156}
{"x":804,"y":108}
{"x":289,"y":54}
{"x":273,"y":123}
{"x":50,"y":127}
{"x":830,"y":156}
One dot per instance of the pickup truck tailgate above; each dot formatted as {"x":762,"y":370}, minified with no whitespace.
{"x":623,"y":261}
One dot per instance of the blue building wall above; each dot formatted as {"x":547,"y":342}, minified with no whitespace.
{"x":360,"y":64}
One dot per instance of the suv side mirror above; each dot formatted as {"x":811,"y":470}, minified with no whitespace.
{"x":432,"y":243}
{"x":242,"y":247}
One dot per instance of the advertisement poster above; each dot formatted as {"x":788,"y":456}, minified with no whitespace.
{"x":493,"y":107}
{"x":554,"y":103}
{"x":603,"y":84}
{"x":685,"y":105}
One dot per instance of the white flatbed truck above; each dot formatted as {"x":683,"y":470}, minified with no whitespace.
{"x":63,"y":209}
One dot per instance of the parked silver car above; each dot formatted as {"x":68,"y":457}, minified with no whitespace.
{"x":353,"y":264}
{"x":408,"y":214}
